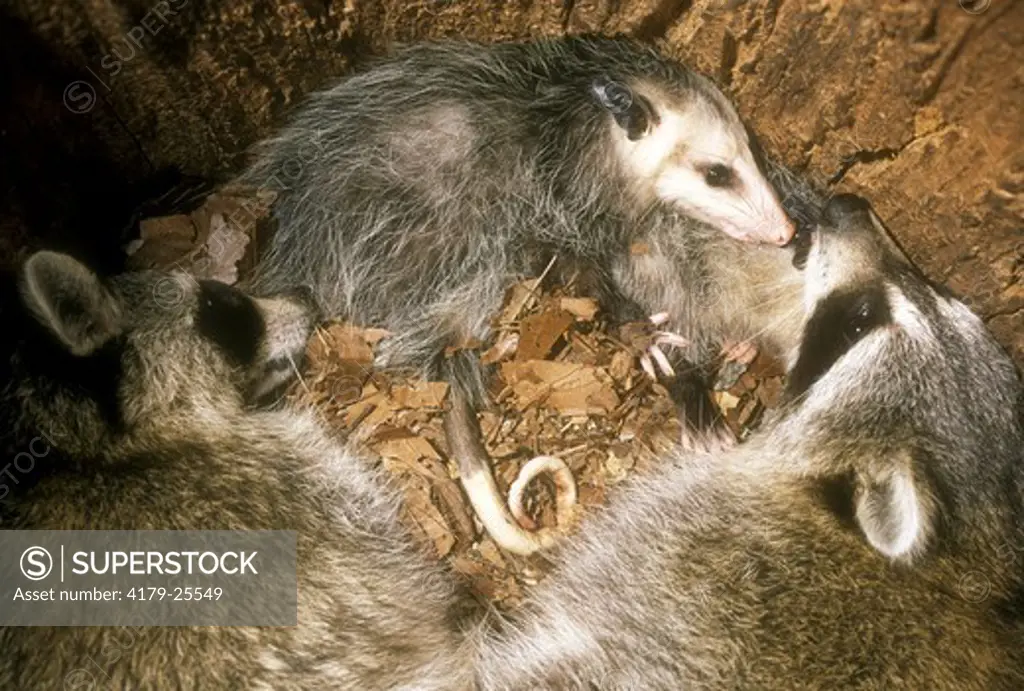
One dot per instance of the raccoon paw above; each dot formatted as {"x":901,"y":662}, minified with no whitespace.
{"x":714,"y":439}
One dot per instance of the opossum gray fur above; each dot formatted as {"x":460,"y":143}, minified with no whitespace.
{"x":870,"y":537}
{"x":143,"y":384}
{"x":412,"y":194}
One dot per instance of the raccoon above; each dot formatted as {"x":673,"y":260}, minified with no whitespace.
{"x":412,"y":194}
{"x":145,"y":384}
{"x":869,"y":537}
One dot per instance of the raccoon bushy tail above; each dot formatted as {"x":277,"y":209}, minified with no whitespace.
{"x":466,"y":394}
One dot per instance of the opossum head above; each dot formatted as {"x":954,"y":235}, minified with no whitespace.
{"x":100,"y":363}
{"x":900,"y":391}
{"x":688,"y":148}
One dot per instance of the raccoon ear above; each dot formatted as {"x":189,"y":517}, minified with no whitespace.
{"x":632,"y":112}
{"x":71,"y":301}
{"x":894,"y":510}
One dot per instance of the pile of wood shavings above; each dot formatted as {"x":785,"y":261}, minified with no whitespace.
{"x":565,"y":383}
{"x":570,"y":388}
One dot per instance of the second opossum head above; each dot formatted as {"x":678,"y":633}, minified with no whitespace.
{"x":684,"y":144}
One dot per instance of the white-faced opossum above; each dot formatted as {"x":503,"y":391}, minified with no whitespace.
{"x":412,"y":194}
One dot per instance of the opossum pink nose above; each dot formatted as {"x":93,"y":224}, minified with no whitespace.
{"x":786,"y":232}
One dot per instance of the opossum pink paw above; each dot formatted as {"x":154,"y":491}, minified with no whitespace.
{"x":716,"y":439}
{"x":654,"y":362}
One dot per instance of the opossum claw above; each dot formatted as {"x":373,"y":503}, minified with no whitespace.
{"x":565,"y":489}
{"x":648,"y":366}
{"x":659,"y":357}
{"x":672,"y":339}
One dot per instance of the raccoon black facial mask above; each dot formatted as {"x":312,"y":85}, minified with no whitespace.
{"x":840,"y":321}
{"x":229,"y":318}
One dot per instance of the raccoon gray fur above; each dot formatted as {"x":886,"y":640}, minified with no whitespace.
{"x":871,"y":537}
{"x":143,"y":384}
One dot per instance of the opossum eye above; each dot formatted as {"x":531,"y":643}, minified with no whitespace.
{"x":230,"y":319}
{"x":719,"y":175}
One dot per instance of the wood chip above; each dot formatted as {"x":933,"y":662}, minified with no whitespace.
{"x":569,"y":388}
{"x":584,"y":309}
{"x":420,"y":394}
{"x":539,"y":332}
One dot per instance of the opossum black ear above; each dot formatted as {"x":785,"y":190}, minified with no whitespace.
{"x":894,"y":510}
{"x":69,"y":300}
{"x":639,"y":120}
{"x":632,"y":112}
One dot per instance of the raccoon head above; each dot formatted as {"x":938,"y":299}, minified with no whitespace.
{"x":101,"y":363}
{"x":901,"y":390}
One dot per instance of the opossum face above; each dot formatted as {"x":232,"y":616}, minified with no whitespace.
{"x":901,"y":389}
{"x":145,"y":353}
{"x":695,"y":154}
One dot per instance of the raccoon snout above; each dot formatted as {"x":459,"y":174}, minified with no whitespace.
{"x":801,"y":245}
{"x":303,"y":295}
{"x":843,"y":208}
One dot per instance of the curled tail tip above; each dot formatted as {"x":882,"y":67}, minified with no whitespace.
{"x":503,"y":524}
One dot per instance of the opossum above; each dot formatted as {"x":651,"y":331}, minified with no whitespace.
{"x":143,"y":388}
{"x":413,"y":193}
{"x":869,"y":536}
